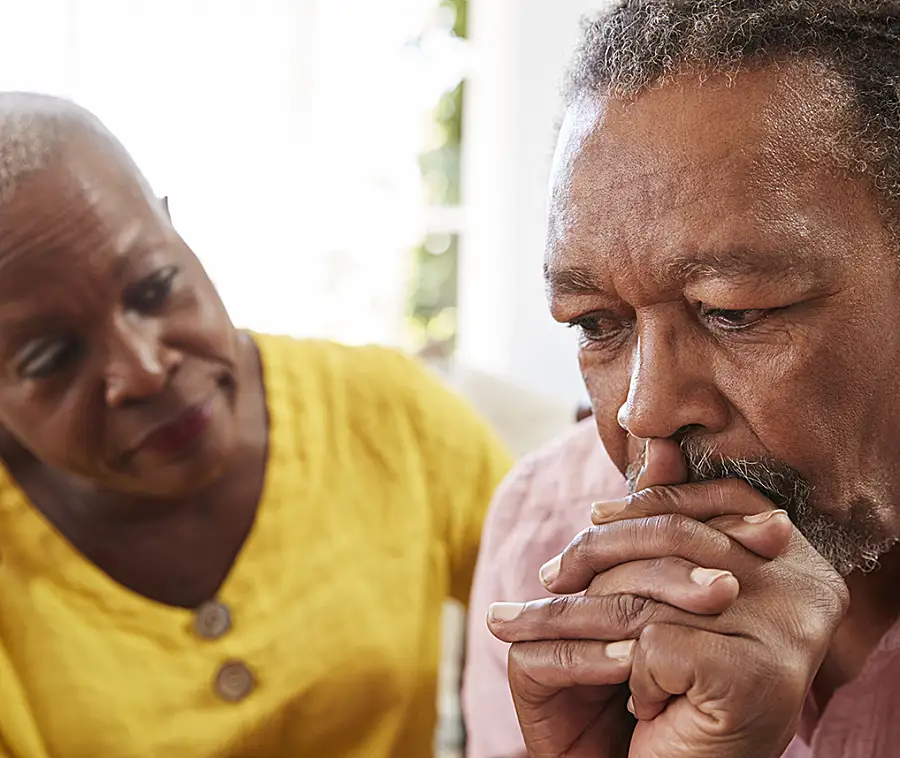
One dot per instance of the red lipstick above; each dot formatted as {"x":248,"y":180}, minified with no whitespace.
{"x":177,"y":434}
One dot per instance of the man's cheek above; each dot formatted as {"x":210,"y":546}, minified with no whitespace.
{"x":792,"y":425}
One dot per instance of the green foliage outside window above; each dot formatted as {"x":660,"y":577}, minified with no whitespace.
{"x":433,"y":286}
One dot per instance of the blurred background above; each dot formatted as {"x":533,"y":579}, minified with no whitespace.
{"x":364,"y":170}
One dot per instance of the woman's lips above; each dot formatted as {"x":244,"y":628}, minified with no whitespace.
{"x":181,"y":431}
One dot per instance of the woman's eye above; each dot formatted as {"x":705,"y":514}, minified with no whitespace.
{"x":151,"y":293}
{"x":43,"y":358}
{"x":598,"y":329}
{"x":735,"y":320}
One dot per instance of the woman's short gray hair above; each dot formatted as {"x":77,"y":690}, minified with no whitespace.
{"x":36,"y":128}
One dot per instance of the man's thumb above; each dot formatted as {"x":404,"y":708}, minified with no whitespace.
{"x":664,"y":465}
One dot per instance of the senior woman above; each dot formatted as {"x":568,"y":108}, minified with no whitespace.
{"x":211,"y":543}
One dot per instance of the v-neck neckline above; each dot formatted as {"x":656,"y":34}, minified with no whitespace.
{"x":37,"y":540}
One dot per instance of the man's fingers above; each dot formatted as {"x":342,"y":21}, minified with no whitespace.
{"x":620,"y":603}
{"x":575,"y":617}
{"x":671,"y":660}
{"x":702,"y":501}
{"x":600,"y":548}
{"x":672,"y":581}
{"x":540,"y":669}
{"x":768,"y":534}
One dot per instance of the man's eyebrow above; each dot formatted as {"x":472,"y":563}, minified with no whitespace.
{"x":738,"y":262}
{"x":733,"y":263}
{"x":571,"y":281}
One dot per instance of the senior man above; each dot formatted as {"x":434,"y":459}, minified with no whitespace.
{"x":724,"y":233}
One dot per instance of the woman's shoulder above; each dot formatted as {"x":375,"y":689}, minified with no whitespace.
{"x":367,"y":386}
{"x":335,"y":366}
{"x":370,"y":390}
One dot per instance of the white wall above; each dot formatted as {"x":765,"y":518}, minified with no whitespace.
{"x":286,"y":134}
{"x":520,"y":50}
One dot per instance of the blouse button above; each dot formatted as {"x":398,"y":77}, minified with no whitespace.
{"x":213,"y":619}
{"x":234,"y":682}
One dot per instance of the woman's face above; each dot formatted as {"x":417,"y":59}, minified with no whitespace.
{"x":118,"y":362}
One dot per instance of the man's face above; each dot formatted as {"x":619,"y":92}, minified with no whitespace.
{"x":732,"y":288}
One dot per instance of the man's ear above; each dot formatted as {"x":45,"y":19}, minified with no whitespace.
{"x":164,"y":201}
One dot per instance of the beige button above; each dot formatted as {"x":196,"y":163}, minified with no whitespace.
{"x":213,"y":619}
{"x":234,"y":681}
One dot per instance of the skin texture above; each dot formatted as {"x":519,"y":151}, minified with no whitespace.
{"x":730,"y":285}
{"x":110,"y":328}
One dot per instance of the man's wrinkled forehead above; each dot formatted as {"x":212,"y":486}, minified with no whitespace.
{"x":708,"y":164}
{"x":752,"y":118}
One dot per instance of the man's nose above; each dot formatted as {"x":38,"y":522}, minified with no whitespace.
{"x":671,"y":388}
{"x":138,"y":365}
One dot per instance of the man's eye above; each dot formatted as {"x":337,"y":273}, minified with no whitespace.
{"x":148,"y":295}
{"x":598,"y":329}
{"x":735,"y":320}
{"x":43,"y":358}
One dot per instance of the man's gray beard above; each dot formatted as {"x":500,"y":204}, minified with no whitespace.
{"x":847,"y":546}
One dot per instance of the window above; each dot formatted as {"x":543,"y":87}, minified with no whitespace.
{"x":434,"y":290}
{"x":297,"y":142}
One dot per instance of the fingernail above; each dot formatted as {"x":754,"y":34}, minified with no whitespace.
{"x":620,"y":651}
{"x":550,"y":570}
{"x":761,"y":518}
{"x":603,"y":511}
{"x":630,"y":705}
{"x":705,"y":577}
{"x":505,"y":611}
{"x":647,"y":448}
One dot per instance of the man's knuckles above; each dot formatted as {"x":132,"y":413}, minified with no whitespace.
{"x":576,"y":617}
{"x":809,"y":625}
{"x":731,"y":680}
{"x":599,"y":548}
{"x":673,"y":581}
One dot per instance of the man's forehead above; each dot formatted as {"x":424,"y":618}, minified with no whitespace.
{"x":754,"y":113}
{"x":719,"y":167}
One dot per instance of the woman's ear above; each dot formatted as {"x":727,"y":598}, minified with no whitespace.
{"x":164,"y":201}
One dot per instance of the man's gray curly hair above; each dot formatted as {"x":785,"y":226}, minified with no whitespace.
{"x":638,"y":44}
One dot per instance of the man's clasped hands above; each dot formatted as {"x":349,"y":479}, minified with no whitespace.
{"x":693,"y":634}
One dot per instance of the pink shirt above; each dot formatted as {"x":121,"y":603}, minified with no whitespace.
{"x":536,"y":512}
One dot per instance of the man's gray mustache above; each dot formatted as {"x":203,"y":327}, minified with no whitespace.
{"x":847,"y":545}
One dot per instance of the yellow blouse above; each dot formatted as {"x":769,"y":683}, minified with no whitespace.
{"x":376,"y":486}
